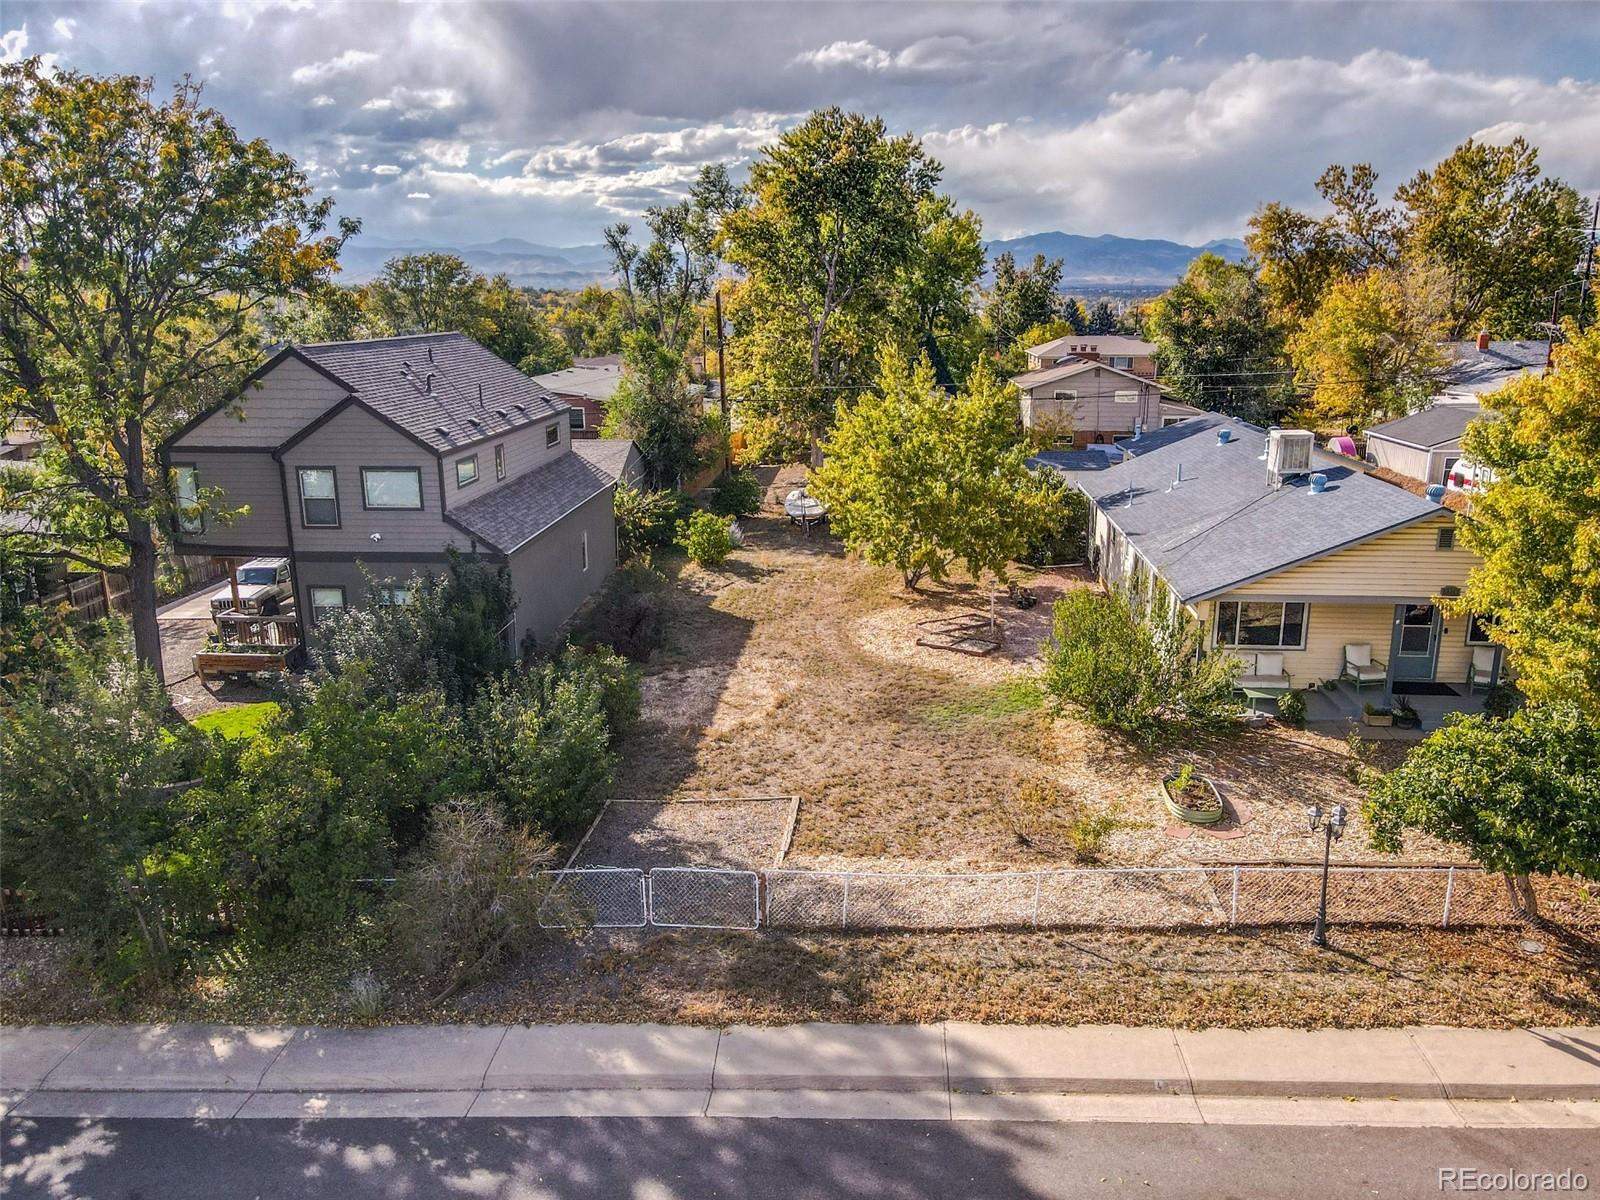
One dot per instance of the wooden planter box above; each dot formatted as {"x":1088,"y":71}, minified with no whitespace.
{"x":1377,"y":720}
{"x":1195,"y":816}
{"x":223,"y":662}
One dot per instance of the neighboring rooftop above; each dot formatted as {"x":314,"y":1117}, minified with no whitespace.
{"x":605,"y":454}
{"x":599,"y":360}
{"x":1093,"y":343}
{"x":1066,"y":370}
{"x":595,"y":382}
{"x":1224,"y":525}
{"x":472,"y":394}
{"x":1473,"y":372}
{"x":524,"y":507}
{"x":1436,"y":426}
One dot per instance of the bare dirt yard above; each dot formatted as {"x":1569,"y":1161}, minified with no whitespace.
{"x":795,"y":669}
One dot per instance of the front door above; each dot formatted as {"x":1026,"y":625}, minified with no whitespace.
{"x":1415,"y":649}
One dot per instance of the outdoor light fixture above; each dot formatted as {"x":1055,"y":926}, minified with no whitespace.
{"x":1332,"y":826}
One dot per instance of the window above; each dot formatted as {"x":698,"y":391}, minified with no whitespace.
{"x":575,"y":418}
{"x":325,"y":600}
{"x":500,"y":461}
{"x":1122,"y":361}
{"x":391,"y":595}
{"x":1068,"y":396}
{"x":552,"y":436}
{"x":1478,"y":630}
{"x":466,"y":470}
{"x":319,"y":497}
{"x":584,"y":546}
{"x":1280,"y":626}
{"x":1125,"y":397}
{"x":186,"y":490}
{"x":391,"y":487}
{"x":1445,"y":539}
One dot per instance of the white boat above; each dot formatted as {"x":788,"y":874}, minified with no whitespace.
{"x":803,"y":508}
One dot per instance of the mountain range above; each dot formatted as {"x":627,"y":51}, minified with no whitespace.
{"x":1106,"y":261}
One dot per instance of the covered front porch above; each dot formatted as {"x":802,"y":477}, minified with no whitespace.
{"x":1338,"y":708}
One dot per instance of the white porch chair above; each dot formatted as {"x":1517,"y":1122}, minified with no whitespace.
{"x":1263,"y":671}
{"x":1361,"y":668}
{"x":1480,"y":672}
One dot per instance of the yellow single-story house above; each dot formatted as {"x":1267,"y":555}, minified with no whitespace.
{"x":1299,"y":563}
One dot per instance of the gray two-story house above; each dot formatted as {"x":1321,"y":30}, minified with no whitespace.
{"x":374,"y":458}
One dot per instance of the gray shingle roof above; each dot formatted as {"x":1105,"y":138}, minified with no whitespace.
{"x":1474,"y":372}
{"x":596,"y":383}
{"x":1436,"y":426}
{"x":391,"y":376}
{"x":606,"y":454}
{"x":520,"y":510}
{"x":1223,"y":525}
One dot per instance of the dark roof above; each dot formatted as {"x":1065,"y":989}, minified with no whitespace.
{"x":390,"y":375}
{"x":1070,"y":460}
{"x":595,"y":383}
{"x":1474,"y":371}
{"x":1431,"y":427}
{"x":1224,"y":525}
{"x":520,"y":510}
{"x":599,"y":360}
{"x":605,"y":454}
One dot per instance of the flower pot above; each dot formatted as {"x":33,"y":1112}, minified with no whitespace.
{"x":1205,"y":811}
{"x":1377,"y":720}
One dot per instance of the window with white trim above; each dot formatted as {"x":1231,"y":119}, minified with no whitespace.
{"x":1123,"y":362}
{"x":1261,"y":625}
{"x":1068,"y":397}
{"x":575,"y":418}
{"x":391,"y":595}
{"x":466,"y":471}
{"x":1130,"y":397}
{"x":500,"y":461}
{"x":319,"y":497}
{"x":583,"y":542}
{"x":186,"y":491}
{"x":1478,"y":630}
{"x":552,"y":436}
{"x":324,"y":601}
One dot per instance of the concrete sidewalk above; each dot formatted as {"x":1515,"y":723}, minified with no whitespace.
{"x":914,"y":1071}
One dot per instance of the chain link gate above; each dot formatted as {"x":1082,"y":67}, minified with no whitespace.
{"x":594,"y":897}
{"x":704,"y":898}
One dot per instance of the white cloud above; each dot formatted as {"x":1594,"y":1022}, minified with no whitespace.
{"x":343,"y":64}
{"x":386,"y":169}
{"x":322,"y":101}
{"x":419,"y":195}
{"x":860,"y":55}
{"x":14,"y":44}
{"x":64,"y":28}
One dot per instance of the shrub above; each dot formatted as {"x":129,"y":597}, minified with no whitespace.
{"x":1087,"y":835}
{"x":706,"y":539}
{"x":1292,"y":708}
{"x":629,"y":615}
{"x":611,"y":673}
{"x":645,"y":520}
{"x":1066,"y":533}
{"x":1137,"y":669}
{"x":737,"y":494}
{"x":465,"y":902}
{"x":1501,"y":701}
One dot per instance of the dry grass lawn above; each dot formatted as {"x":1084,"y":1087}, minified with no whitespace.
{"x":794,"y":669}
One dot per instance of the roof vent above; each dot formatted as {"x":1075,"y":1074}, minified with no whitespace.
{"x":480,"y":396}
{"x":1224,"y":436}
{"x":1319,"y":484}
{"x":430,"y":351}
{"x":441,"y":431}
{"x":1288,"y":454}
{"x":427,"y":383}
{"x":501,"y":413}
{"x":1436,"y":493}
{"x":473,"y":421}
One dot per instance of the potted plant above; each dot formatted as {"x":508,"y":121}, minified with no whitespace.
{"x":1191,"y":797}
{"x":1376,"y":715}
{"x":1406,"y":717}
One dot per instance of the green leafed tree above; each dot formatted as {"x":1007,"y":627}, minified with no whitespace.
{"x":1218,"y":344}
{"x":921,"y":480}
{"x":1537,"y":526}
{"x":140,"y":240}
{"x":836,"y":210}
{"x":1521,"y":795}
{"x":1022,"y":297}
{"x":652,"y":405}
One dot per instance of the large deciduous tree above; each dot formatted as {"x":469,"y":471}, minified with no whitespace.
{"x":652,"y":406}
{"x":1537,"y":526}
{"x":1218,"y":344}
{"x":138,"y":240}
{"x":920,"y":480}
{"x":1022,"y":297}
{"x":1371,"y":349}
{"x":837,"y":207}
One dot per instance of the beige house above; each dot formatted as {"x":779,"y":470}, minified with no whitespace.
{"x":1114,"y":349}
{"x":1298,"y":570}
{"x":1088,"y":403}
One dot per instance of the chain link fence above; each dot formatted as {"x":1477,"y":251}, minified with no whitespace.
{"x":1074,"y":898}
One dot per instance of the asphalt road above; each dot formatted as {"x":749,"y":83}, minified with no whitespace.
{"x":698,"y":1159}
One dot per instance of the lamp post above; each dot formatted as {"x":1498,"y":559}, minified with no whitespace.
{"x":1332,"y":827}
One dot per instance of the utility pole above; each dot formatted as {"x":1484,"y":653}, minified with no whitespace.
{"x":1588,"y":260}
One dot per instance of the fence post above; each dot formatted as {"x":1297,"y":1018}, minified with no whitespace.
{"x":1038,"y":878}
{"x":844,"y":906}
{"x":1449,"y":893}
{"x":1233,"y":905}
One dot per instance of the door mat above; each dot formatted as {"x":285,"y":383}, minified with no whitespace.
{"x":1422,"y":687}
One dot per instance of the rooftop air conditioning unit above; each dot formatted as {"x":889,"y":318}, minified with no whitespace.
{"x":1288,"y":453}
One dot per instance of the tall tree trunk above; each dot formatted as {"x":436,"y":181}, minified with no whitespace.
{"x":1524,"y":900}
{"x":142,"y":596}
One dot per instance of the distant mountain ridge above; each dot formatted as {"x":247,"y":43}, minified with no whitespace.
{"x":1103,"y":261}
{"x":1110,"y":260}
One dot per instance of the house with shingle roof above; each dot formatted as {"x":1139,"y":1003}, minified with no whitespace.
{"x":367,"y":463}
{"x":1296,"y":564}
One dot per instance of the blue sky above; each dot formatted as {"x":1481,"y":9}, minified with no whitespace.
{"x":470,"y":121}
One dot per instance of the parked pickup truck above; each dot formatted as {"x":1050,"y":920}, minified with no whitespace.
{"x":263,"y":588}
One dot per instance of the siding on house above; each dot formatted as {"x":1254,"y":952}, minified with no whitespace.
{"x":548,"y":572}
{"x":247,"y":480}
{"x":1413,"y":463}
{"x":279,"y":405}
{"x":1096,"y":415}
{"x":525,"y":451}
{"x":1403,"y":565}
{"x":352,"y":440}
{"x":352,"y":574}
